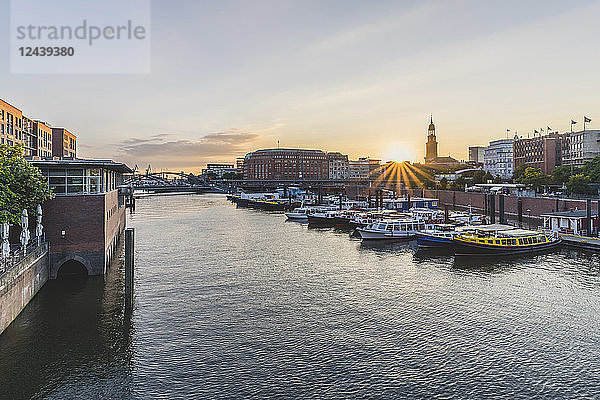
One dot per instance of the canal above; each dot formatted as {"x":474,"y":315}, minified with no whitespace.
{"x":238,"y":303}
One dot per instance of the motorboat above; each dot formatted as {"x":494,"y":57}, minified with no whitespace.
{"x":439,"y":236}
{"x":323,"y":217}
{"x":404,"y":228}
{"x":486,"y":241}
{"x":298,"y":214}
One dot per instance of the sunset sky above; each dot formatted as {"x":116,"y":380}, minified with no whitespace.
{"x":360,"y":77}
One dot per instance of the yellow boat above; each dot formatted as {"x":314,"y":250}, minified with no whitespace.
{"x":491,"y":242}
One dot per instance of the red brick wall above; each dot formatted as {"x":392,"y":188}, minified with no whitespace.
{"x":537,"y":205}
{"x":82,"y":219}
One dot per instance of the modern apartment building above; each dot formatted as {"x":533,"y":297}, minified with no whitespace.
{"x":218,"y":170}
{"x":11,"y":122}
{"x":43,"y":132}
{"x":64,"y":143}
{"x":29,"y":136}
{"x":543,"y":152}
{"x":498,"y":158}
{"x":579,"y":147}
{"x":338,"y":166}
{"x":273,"y":164}
{"x":476,"y":154}
{"x":364,"y":168}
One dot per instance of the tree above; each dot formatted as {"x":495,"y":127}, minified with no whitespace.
{"x":562,"y":173}
{"x":518,"y":173}
{"x":488,"y":177}
{"x":22,"y":185}
{"x":443,"y":183}
{"x":497,"y":179}
{"x":459,"y":183}
{"x":579,"y":184}
{"x":534,"y":177}
{"x":479,"y":177}
{"x":232,"y":175}
{"x":592,"y":169}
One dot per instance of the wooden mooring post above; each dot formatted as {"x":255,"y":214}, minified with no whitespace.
{"x":129,"y":267}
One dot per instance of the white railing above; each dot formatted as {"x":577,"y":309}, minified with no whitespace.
{"x":19,"y":255}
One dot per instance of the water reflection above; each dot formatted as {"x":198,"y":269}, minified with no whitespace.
{"x":235,"y":303}
{"x":71,"y":339}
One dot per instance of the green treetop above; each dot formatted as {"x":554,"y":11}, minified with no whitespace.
{"x":22,"y":185}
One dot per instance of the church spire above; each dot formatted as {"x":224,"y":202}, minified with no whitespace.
{"x":431,"y":147}
{"x":431,"y":130}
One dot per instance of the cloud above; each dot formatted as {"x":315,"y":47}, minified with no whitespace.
{"x":166,"y":150}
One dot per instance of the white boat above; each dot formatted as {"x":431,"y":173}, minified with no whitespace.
{"x":428,"y":215}
{"x":298,"y":214}
{"x":392,"y":229}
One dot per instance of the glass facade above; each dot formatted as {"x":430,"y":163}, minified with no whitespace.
{"x":74,"y":181}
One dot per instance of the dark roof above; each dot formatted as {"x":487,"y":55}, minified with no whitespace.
{"x":82,"y":163}
{"x":571,"y":213}
{"x":289,"y":151}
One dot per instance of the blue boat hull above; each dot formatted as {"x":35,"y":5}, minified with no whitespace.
{"x":431,"y":241}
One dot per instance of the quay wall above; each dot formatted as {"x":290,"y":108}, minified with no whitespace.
{"x":536,"y":205}
{"x":19,"y":285}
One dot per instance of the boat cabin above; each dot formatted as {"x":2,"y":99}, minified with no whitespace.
{"x":571,"y":222}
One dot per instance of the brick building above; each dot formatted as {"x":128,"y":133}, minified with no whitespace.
{"x":286,"y":164}
{"x":543,"y":152}
{"x":64,"y":143}
{"x":84,"y":222}
{"x":43,"y":132}
{"x":11,"y":123}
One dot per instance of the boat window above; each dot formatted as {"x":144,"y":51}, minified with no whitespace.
{"x":534,"y":239}
{"x":520,"y":241}
{"x":542,"y":239}
{"x":497,"y":241}
{"x":504,"y":242}
{"x":490,"y":241}
{"x":381,"y":226}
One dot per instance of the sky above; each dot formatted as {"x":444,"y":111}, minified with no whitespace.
{"x":359,"y":77}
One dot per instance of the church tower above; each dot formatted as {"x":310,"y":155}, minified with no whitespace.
{"x":431,"y":146}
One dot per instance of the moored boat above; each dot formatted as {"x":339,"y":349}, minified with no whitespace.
{"x":486,"y":242}
{"x":439,"y":236}
{"x":391,"y":229}
{"x":325,"y":218}
{"x":298,"y":214}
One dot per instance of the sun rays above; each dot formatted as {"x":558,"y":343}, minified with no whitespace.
{"x":400,"y":175}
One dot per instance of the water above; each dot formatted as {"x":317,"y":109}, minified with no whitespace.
{"x":237,"y":303}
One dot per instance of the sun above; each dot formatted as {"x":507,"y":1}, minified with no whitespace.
{"x":399,"y":151}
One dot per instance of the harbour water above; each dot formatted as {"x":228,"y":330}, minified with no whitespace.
{"x":237,"y":303}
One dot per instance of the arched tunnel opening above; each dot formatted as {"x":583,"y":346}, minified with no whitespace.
{"x":72,"y":269}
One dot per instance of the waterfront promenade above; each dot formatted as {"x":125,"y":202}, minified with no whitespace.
{"x":252,"y":306}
